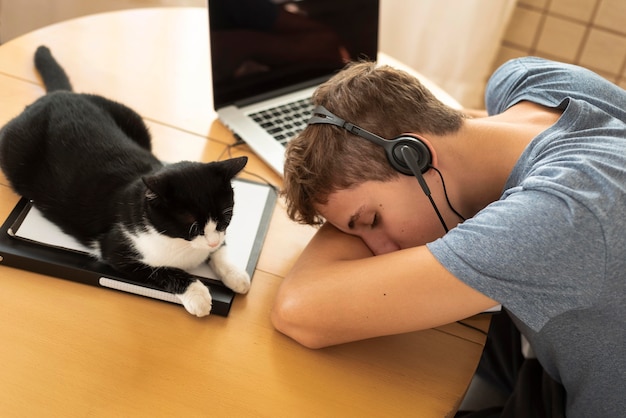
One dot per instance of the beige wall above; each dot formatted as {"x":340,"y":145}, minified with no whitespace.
{"x":20,"y":16}
{"x":451,"y":42}
{"x":591,"y":33}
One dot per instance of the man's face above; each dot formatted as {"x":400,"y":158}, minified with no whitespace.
{"x":387,"y":216}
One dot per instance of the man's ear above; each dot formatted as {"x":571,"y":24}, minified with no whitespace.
{"x":433,"y":154}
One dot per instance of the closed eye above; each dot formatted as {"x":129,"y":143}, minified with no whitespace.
{"x":227,"y":215}
{"x":193,"y":229}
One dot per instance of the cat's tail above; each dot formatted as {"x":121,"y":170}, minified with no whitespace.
{"x":53,"y":75}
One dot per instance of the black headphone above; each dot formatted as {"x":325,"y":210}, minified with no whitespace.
{"x":406,"y":153}
{"x":420,"y":155}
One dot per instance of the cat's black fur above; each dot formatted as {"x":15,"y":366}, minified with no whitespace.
{"x":86,"y":164}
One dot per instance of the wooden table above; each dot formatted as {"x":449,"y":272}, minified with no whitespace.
{"x":70,"y":350}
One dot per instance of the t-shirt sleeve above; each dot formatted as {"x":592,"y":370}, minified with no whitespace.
{"x":541,"y":249}
{"x":549,"y":83}
{"x":535,"y":252}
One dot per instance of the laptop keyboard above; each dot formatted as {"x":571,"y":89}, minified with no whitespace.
{"x":285,"y":121}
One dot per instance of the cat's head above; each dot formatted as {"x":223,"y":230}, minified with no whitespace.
{"x":193,"y":201}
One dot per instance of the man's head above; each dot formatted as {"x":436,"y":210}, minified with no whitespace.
{"x":325,"y":158}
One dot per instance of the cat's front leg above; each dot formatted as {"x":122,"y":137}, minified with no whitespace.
{"x":231,"y":275}
{"x":192,"y":293}
{"x":196,"y":299}
{"x":116,"y":250}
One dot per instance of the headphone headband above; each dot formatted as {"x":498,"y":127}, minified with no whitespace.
{"x":421,"y":158}
{"x":322,"y":115}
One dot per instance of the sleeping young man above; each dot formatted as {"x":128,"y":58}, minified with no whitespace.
{"x":430,"y":216}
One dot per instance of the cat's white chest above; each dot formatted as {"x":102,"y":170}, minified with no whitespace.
{"x":158,"y":250}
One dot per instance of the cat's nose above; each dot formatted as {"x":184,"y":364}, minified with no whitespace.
{"x":213,"y":240}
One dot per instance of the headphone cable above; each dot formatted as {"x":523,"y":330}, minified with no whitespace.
{"x":445,"y":192}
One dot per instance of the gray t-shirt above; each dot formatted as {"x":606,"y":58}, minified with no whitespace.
{"x":552,"y":250}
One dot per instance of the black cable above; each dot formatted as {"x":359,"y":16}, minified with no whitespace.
{"x":227,"y":148}
{"x":472,"y":327}
{"x":445,"y":192}
{"x":443,"y":223}
{"x":237,"y":143}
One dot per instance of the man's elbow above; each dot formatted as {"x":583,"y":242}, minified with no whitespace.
{"x":290,"y":317}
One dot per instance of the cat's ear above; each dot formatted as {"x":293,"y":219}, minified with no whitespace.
{"x":233,"y":166}
{"x":156,"y":186}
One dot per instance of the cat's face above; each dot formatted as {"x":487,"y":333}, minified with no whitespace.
{"x":193,"y":201}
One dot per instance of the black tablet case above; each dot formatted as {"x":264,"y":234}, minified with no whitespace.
{"x":81,"y":267}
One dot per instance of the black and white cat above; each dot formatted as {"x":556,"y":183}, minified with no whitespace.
{"x":86,"y":164}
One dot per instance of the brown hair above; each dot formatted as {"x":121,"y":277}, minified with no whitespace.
{"x":324,"y":158}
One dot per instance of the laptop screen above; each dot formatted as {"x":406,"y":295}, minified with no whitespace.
{"x":267,"y":47}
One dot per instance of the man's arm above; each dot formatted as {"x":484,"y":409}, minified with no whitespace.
{"x":476,"y":113}
{"x":338,"y":292}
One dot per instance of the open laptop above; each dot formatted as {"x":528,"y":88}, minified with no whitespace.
{"x":263,"y":76}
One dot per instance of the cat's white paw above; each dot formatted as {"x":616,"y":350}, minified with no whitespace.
{"x":197,"y":299}
{"x":237,"y":280}
{"x":232,"y":276}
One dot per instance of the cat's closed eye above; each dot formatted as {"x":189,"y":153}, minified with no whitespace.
{"x":227,"y":215}
{"x":186,"y":218}
{"x":194,"y":230}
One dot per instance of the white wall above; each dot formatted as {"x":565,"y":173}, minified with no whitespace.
{"x":452,"y":42}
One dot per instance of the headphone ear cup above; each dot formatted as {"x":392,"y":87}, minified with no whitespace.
{"x":396,"y":159}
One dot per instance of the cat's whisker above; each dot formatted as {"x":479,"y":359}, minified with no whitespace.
{"x":153,"y":272}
